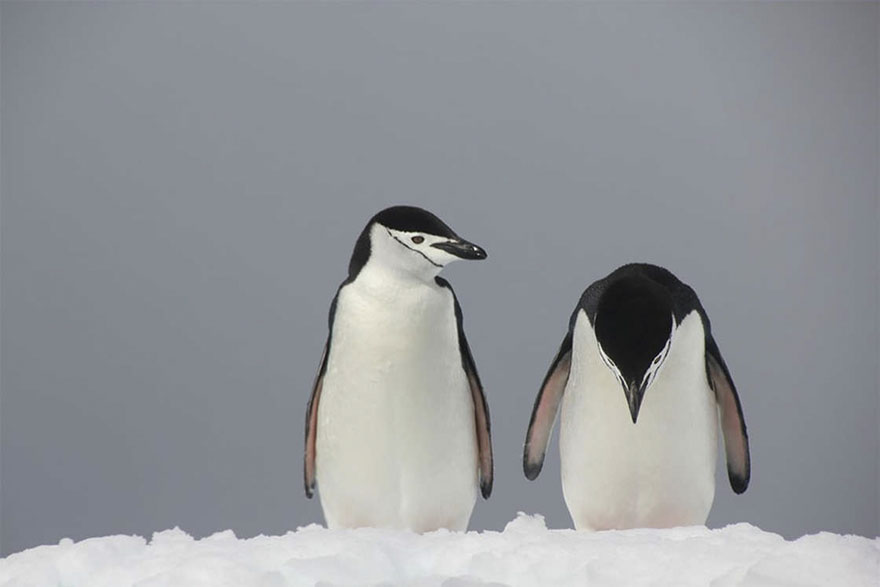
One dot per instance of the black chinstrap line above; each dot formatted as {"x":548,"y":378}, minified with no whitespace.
{"x":428,"y":259}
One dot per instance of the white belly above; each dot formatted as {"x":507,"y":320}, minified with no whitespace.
{"x":659,"y":472}
{"x":396,"y":440}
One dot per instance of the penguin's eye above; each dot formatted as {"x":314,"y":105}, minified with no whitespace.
{"x":418,"y":239}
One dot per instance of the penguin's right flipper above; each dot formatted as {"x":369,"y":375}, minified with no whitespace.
{"x":312,"y":426}
{"x":733,"y":425}
{"x":544,"y":412}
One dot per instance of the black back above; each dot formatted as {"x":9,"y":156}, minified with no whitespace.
{"x":631,"y":309}
{"x":405,"y":218}
{"x":633,"y":322}
{"x":684,"y":299}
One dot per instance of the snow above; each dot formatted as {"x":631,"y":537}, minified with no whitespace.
{"x":525,"y":553}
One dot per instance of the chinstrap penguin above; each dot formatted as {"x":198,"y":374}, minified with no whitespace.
{"x":642,"y":386}
{"x":397,"y":427}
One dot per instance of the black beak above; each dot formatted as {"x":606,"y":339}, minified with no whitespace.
{"x":634,"y":394}
{"x":462,"y":249}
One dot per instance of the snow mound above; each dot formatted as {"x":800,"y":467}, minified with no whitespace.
{"x":525,"y":553}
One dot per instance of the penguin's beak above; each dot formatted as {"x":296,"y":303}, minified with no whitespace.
{"x":461,"y":249}
{"x":634,"y":394}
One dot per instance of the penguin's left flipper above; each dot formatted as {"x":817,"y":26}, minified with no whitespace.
{"x":312,"y":425}
{"x":481,"y":409}
{"x":544,"y":411}
{"x":733,"y":426}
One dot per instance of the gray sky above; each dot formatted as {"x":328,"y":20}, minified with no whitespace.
{"x":182,"y":185}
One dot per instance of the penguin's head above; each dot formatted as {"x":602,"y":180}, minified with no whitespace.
{"x":411,"y":240}
{"x":634,"y":325}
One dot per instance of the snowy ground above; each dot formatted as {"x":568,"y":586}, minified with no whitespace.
{"x":525,"y":553}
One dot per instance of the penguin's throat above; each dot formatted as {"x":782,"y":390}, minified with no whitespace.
{"x":389,"y":278}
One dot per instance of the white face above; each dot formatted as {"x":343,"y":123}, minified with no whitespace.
{"x":611,"y":366}
{"x":657,"y":362}
{"x":653,"y":369}
{"x":413,"y":252}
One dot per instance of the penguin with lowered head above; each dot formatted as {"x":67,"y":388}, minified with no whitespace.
{"x":643,"y":390}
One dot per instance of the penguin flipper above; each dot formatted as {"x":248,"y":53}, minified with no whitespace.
{"x":733,"y":425}
{"x":544,"y":411}
{"x":312,"y":426}
{"x":481,"y":408}
{"x":481,"y":417}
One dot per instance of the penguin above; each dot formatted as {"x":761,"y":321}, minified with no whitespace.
{"x":397,"y":431}
{"x":642,"y":386}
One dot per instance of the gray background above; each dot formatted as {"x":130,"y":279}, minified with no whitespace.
{"x":182,"y":185}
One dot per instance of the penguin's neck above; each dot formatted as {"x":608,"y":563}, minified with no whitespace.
{"x":390,"y":281}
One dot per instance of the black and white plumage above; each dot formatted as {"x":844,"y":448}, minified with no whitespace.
{"x":642,"y":385}
{"x":397,"y":427}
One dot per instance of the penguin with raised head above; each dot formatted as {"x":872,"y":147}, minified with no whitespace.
{"x":397,"y":427}
{"x":642,"y":387}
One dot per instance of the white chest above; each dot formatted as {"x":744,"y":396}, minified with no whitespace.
{"x":396,"y":441}
{"x":400,"y":336}
{"x":659,"y":471}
